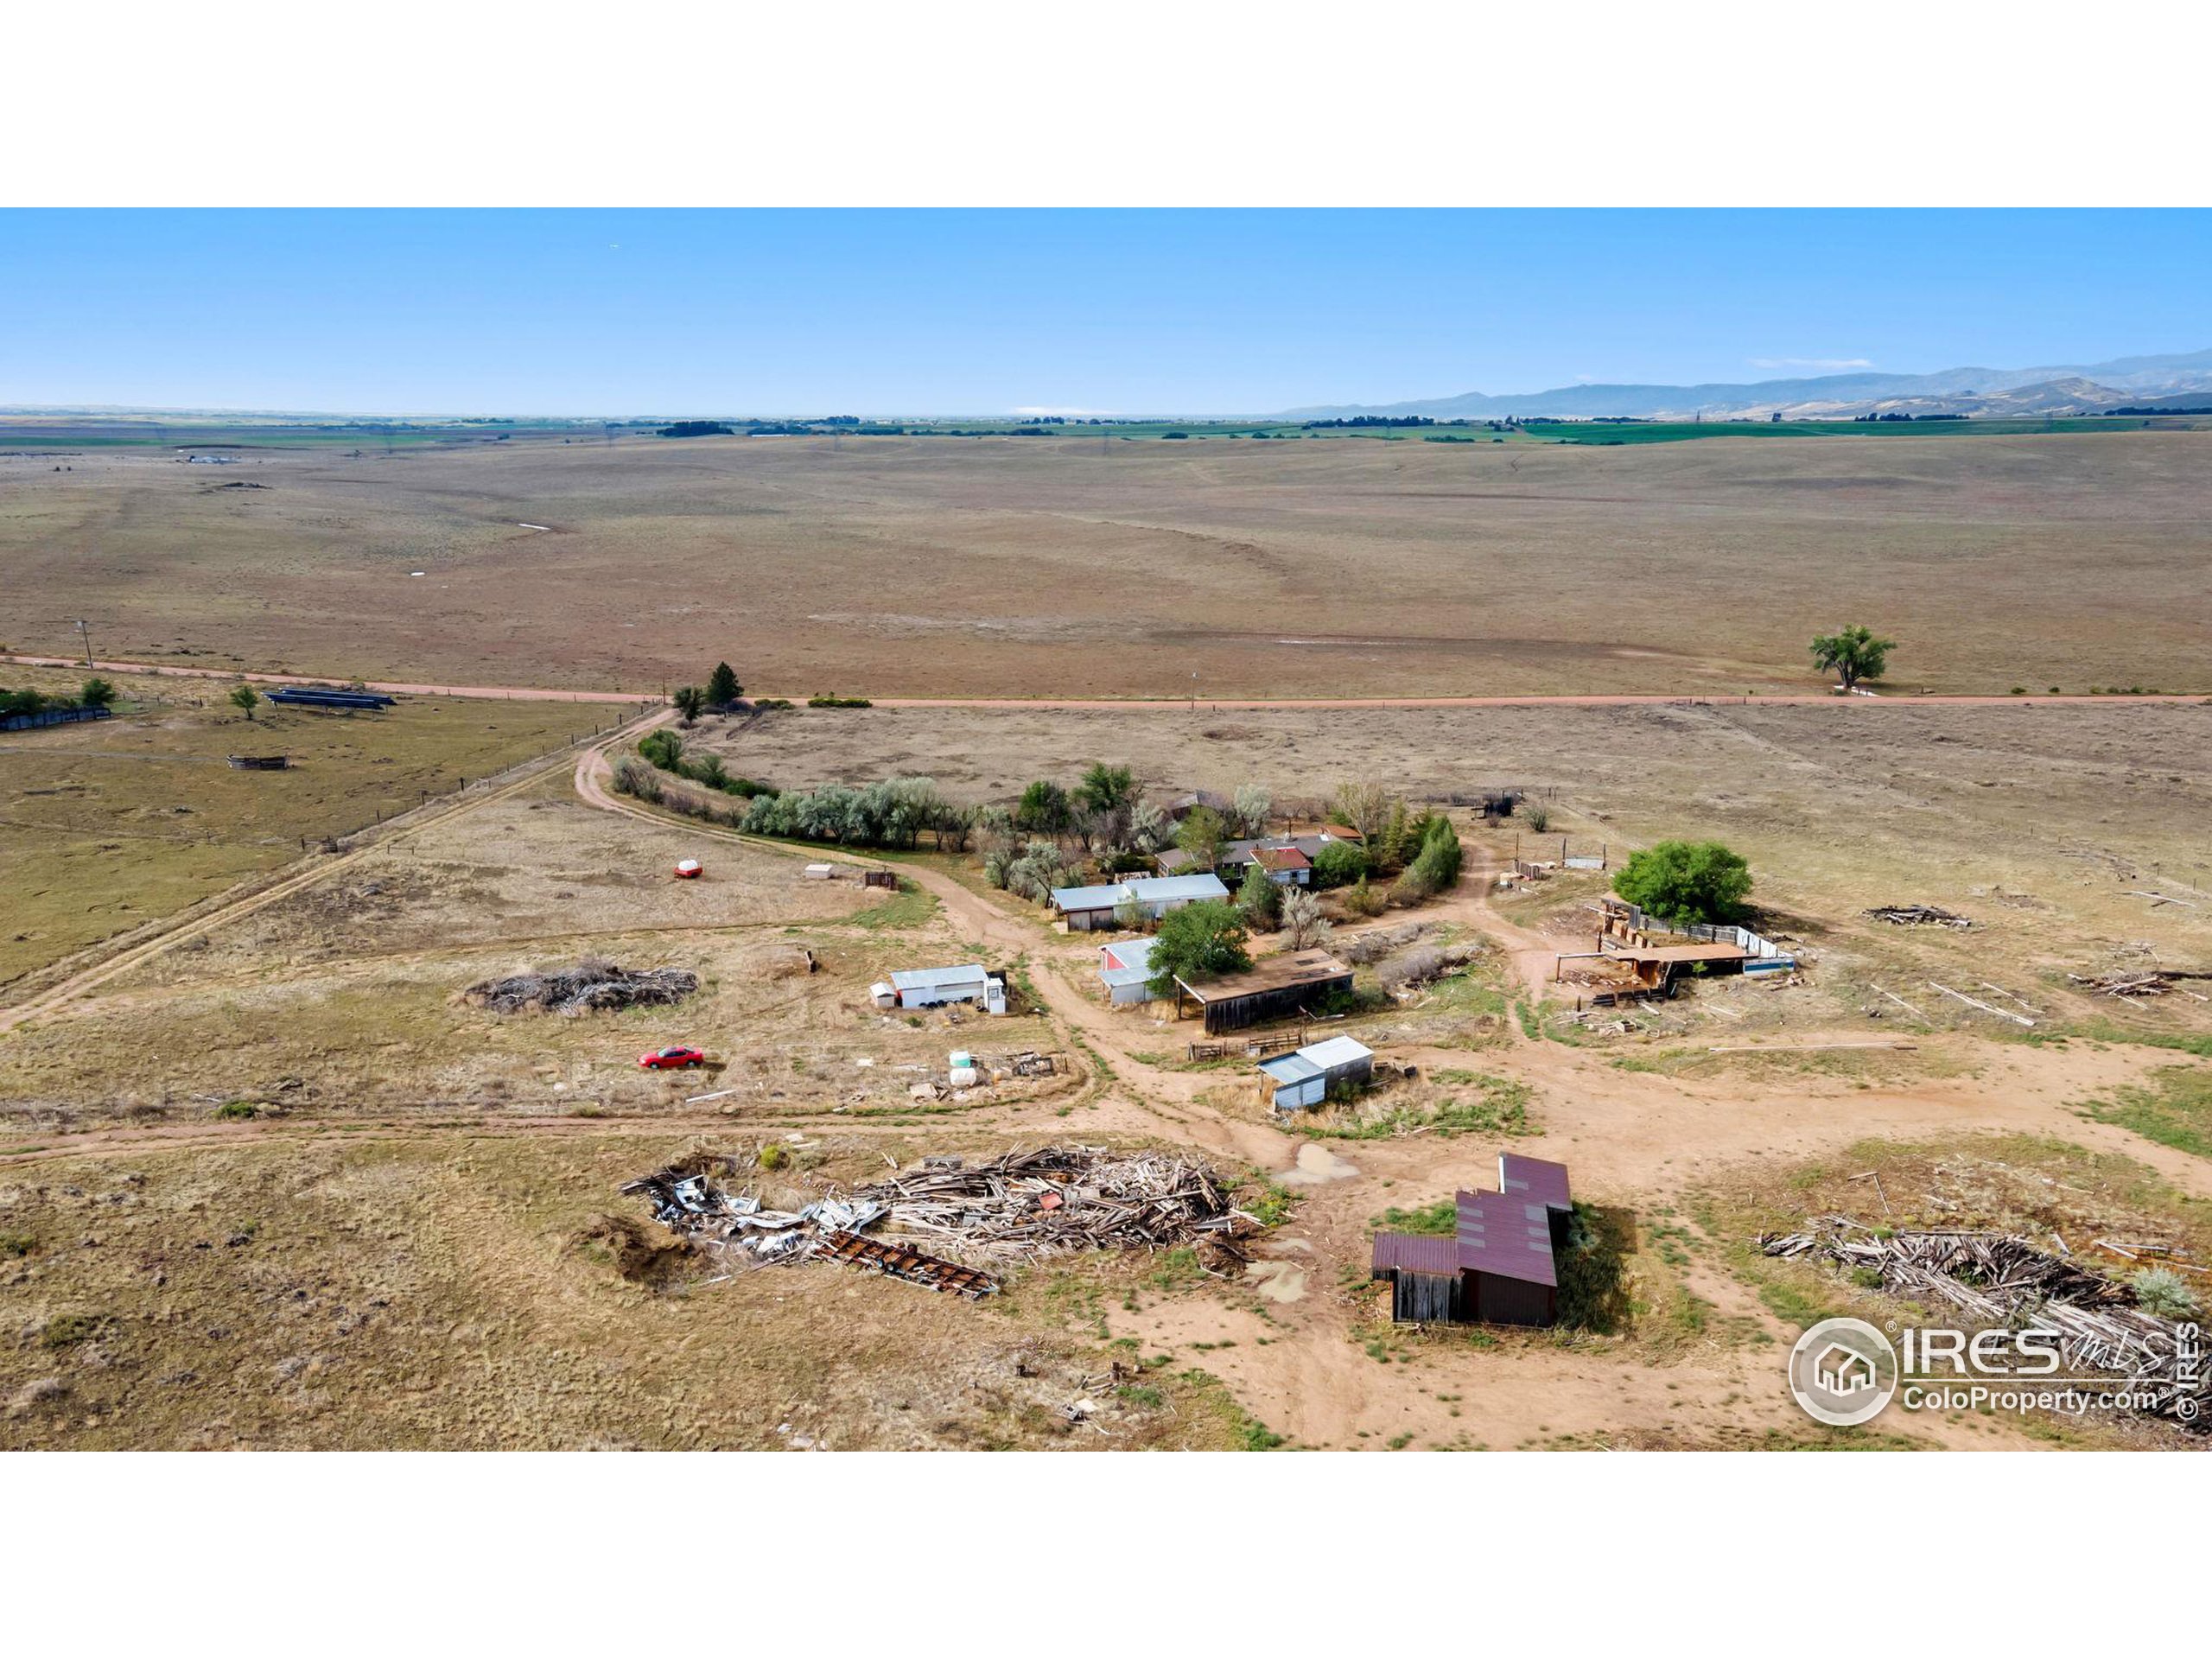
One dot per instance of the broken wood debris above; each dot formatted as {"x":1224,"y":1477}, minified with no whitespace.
{"x":591,"y":985}
{"x":2004,"y":1280}
{"x":2151,"y":981}
{"x":1053,"y":1201}
{"x":1060,"y":1199}
{"x":912,"y":1266}
{"x":1917,"y":916}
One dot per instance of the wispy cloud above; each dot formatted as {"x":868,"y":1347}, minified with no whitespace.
{"x":1828,"y":363}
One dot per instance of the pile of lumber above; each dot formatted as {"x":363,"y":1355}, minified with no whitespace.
{"x":1049,"y":1202}
{"x":1999,"y":1279}
{"x":2133,"y":982}
{"x":590,"y":986}
{"x":1060,"y":1199}
{"x":1917,"y":916}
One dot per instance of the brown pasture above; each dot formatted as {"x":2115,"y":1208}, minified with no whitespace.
{"x":1076,"y":568}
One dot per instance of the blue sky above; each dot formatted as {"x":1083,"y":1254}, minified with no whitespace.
{"x":588,"y":312}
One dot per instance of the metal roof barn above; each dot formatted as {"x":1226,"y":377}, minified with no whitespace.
{"x":1533,"y":1180}
{"x":1504,"y":1253}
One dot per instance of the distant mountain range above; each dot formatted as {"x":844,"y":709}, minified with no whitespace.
{"x":2182,"y":380}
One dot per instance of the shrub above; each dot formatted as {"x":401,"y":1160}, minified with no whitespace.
{"x":1438,"y":861}
{"x":67,"y":1330}
{"x":818,"y":700}
{"x":1340,"y":864}
{"x":237,"y":1109}
{"x":1686,"y":881}
{"x":1361,"y":899}
{"x":634,"y":777}
{"x":96,"y":694}
{"x":1540,"y":819}
{"x":773,"y":703}
{"x":663,"y":748}
{"x":2165,"y":1292}
{"x":1302,"y":920}
{"x":775,"y":1155}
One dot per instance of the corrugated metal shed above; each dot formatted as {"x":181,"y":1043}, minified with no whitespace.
{"x":1533,"y":1180}
{"x":1338,"y":1053}
{"x":1099,"y":898}
{"x":931,"y":979}
{"x":1128,"y":953}
{"x":1416,"y":1253}
{"x":1501,"y":1233}
{"x":1177,"y":889}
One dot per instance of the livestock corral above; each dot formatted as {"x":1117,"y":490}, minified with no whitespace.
{"x":387,"y":1155}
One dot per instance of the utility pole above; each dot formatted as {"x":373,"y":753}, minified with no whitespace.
{"x":85,"y":630}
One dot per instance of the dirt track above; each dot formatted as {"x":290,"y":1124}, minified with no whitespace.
{"x":547,"y":694}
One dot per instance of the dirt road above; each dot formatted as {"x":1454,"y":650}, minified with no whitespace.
{"x":543,"y":694}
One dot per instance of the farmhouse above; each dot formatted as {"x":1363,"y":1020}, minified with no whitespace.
{"x":1287,"y":859}
{"x":1500,"y":1266}
{"x":1125,"y":968}
{"x":1303,"y":1078}
{"x":927,"y":987}
{"x":1087,"y":908}
{"x":1273,"y":989}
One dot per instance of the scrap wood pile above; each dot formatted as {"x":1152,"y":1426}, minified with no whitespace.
{"x":593,"y":985}
{"x":2000,"y":1278}
{"x":1050,"y":1202}
{"x":2147,"y":981}
{"x":1917,"y":916}
{"x":1060,"y":1199}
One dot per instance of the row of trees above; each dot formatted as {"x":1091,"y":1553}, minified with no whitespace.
{"x":96,"y":693}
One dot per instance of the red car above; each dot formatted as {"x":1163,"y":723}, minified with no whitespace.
{"x":678,"y":1059}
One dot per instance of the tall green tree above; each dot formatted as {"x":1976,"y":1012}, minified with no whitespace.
{"x":1044,"y":808}
{"x":244,"y":697}
{"x":1686,"y":881}
{"x":691,"y":702}
{"x":722,"y":689}
{"x":1258,"y":898}
{"x":96,"y":693}
{"x":1853,"y":655}
{"x":1107,"y":789}
{"x":1202,"y":834}
{"x":1200,"y":941}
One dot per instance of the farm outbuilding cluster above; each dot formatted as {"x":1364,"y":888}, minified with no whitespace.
{"x":1499,"y":1265}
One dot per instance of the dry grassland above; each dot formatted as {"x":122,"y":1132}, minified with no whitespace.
{"x":108,"y":825}
{"x":457,"y":1294}
{"x":1070,"y":568}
